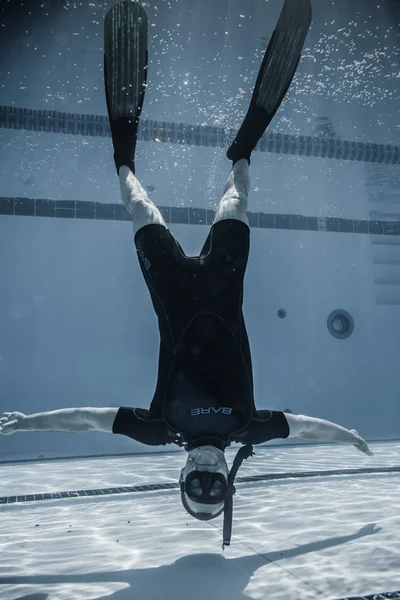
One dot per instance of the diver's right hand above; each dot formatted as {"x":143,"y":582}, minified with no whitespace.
{"x":10,"y":422}
{"x":360,"y":444}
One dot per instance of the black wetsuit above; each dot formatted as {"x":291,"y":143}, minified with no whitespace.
{"x":204,"y":393}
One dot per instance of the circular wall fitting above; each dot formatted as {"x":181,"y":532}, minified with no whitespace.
{"x":281,"y":313}
{"x":340,"y":324}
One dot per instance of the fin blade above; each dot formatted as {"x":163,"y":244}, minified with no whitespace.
{"x":283,"y":54}
{"x":125,"y":59}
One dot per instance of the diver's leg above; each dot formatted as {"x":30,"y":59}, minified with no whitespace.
{"x":233,"y":204}
{"x":136,"y":201}
{"x":125,"y":78}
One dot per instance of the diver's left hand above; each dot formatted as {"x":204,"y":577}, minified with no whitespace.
{"x":361,"y":444}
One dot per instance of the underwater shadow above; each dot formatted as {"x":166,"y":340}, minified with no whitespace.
{"x":188,"y":574}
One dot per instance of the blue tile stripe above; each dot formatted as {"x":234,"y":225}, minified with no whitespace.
{"x":81,"y":209}
{"x":386,"y":595}
{"x":51,"y":121}
{"x":171,"y":486}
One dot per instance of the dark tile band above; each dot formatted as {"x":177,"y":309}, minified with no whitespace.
{"x":79,"y":209}
{"x":171,"y":486}
{"x":51,"y":121}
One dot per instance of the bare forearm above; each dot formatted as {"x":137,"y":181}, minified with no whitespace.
{"x":325,"y":431}
{"x":64,"y":419}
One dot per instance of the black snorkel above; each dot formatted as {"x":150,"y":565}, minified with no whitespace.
{"x":243,"y":454}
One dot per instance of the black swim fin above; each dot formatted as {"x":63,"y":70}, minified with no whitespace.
{"x":275,"y":76}
{"x":125,"y":76}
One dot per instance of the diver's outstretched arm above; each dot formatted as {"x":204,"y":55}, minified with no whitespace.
{"x":319,"y":430}
{"x":64,"y":419}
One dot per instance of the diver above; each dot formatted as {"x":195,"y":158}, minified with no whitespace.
{"x":204,"y":398}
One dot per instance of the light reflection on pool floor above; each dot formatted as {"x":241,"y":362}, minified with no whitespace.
{"x":327,"y":537}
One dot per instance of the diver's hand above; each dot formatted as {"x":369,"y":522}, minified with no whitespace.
{"x":361,"y":444}
{"x":10,"y":422}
